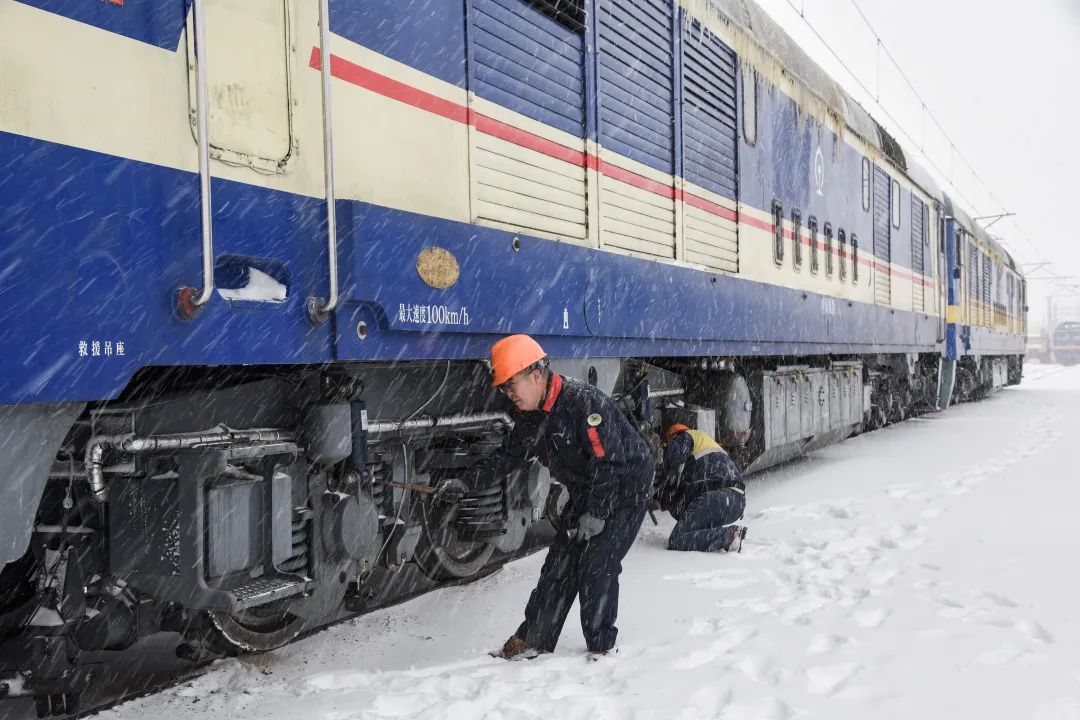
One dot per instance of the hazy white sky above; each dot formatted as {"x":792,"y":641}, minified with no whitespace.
{"x":1001,"y":77}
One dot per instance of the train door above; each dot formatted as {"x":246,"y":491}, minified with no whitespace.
{"x":269,"y":249}
{"x":248,"y":82}
{"x":882,"y":237}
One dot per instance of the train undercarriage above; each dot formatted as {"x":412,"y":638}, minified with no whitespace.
{"x":237,"y":509}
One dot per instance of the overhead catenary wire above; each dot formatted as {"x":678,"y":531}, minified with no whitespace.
{"x":874,"y":96}
{"x":871,"y":94}
{"x":927,"y":112}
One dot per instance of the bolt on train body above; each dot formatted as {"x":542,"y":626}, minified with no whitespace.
{"x":247,"y":293}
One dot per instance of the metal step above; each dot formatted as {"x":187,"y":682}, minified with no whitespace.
{"x":266,"y":589}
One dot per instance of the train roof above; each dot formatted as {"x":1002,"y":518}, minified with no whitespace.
{"x":766,"y":35}
{"x":972,"y":227}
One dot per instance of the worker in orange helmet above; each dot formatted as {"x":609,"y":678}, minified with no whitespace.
{"x":703,"y":489}
{"x":592,"y":449}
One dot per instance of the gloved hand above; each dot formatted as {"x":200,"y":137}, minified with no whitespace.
{"x":666,"y":493}
{"x":450,"y":492}
{"x":588,"y":527}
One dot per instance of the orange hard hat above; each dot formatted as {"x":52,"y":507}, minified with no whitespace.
{"x":513,"y":354}
{"x":670,"y":432}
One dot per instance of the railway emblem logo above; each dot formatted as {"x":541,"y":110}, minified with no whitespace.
{"x":819,"y":171}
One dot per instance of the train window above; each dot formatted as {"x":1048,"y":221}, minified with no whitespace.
{"x":796,"y":239}
{"x":828,"y":250}
{"x":811,"y":225}
{"x":749,"y":104}
{"x":866,"y":184}
{"x":778,"y":232}
{"x":895,"y":204}
{"x":570,"y":13}
{"x":926,"y":225}
{"x":854,"y":259}
{"x":841,"y":238}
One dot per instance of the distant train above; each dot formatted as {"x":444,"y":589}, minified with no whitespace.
{"x":247,"y":293}
{"x":1065,"y":343}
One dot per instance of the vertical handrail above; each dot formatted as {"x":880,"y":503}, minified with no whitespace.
{"x":188,"y":302}
{"x":318,"y":310}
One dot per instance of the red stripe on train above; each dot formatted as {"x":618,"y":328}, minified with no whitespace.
{"x":368,"y":79}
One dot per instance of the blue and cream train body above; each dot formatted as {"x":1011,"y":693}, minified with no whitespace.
{"x":657,"y":190}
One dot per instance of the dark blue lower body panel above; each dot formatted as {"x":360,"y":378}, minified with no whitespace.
{"x":984,"y":341}
{"x":95,"y":247}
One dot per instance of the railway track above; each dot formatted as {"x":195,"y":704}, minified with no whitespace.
{"x":152,"y":666}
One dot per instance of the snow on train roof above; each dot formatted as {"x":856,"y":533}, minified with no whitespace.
{"x":969,"y":225}
{"x":765,"y":42}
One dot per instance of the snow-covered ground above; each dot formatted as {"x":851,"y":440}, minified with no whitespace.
{"x":923,"y":571}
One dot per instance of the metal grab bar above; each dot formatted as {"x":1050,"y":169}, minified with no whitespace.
{"x":318,"y":310}
{"x":188,"y":303}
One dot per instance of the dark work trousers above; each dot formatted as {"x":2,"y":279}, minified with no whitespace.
{"x":588,"y":570}
{"x":701,"y":525}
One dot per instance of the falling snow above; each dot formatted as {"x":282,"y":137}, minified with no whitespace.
{"x":916,"y":571}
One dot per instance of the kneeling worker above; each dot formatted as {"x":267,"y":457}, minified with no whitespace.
{"x":703,"y":490}
{"x":589,"y":446}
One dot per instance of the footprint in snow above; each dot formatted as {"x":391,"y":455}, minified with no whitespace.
{"x":773,"y":511}
{"x":703,"y":626}
{"x":726,"y":579}
{"x":840,"y":512}
{"x":825,"y":643}
{"x":1034,"y":631}
{"x":759,"y":669}
{"x":879,"y":578}
{"x":827,"y":679}
{"x":716,"y":650}
{"x":768,"y":708}
{"x":870,"y":619}
{"x":1001,"y":600}
{"x":706,"y":703}
{"x":1004,"y":655}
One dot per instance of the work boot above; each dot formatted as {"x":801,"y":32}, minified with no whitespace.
{"x":738,"y":532}
{"x":516,"y":649}
{"x":594,"y":655}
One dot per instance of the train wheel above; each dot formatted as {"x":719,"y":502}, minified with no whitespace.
{"x":443,"y":555}
{"x":445,"y":551}
{"x":255,"y":630}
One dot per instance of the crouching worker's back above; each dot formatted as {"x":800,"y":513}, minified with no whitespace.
{"x":703,"y":489}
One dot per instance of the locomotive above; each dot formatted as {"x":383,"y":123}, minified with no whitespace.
{"x":1065,"y":342}
{"x":254,"y":255}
